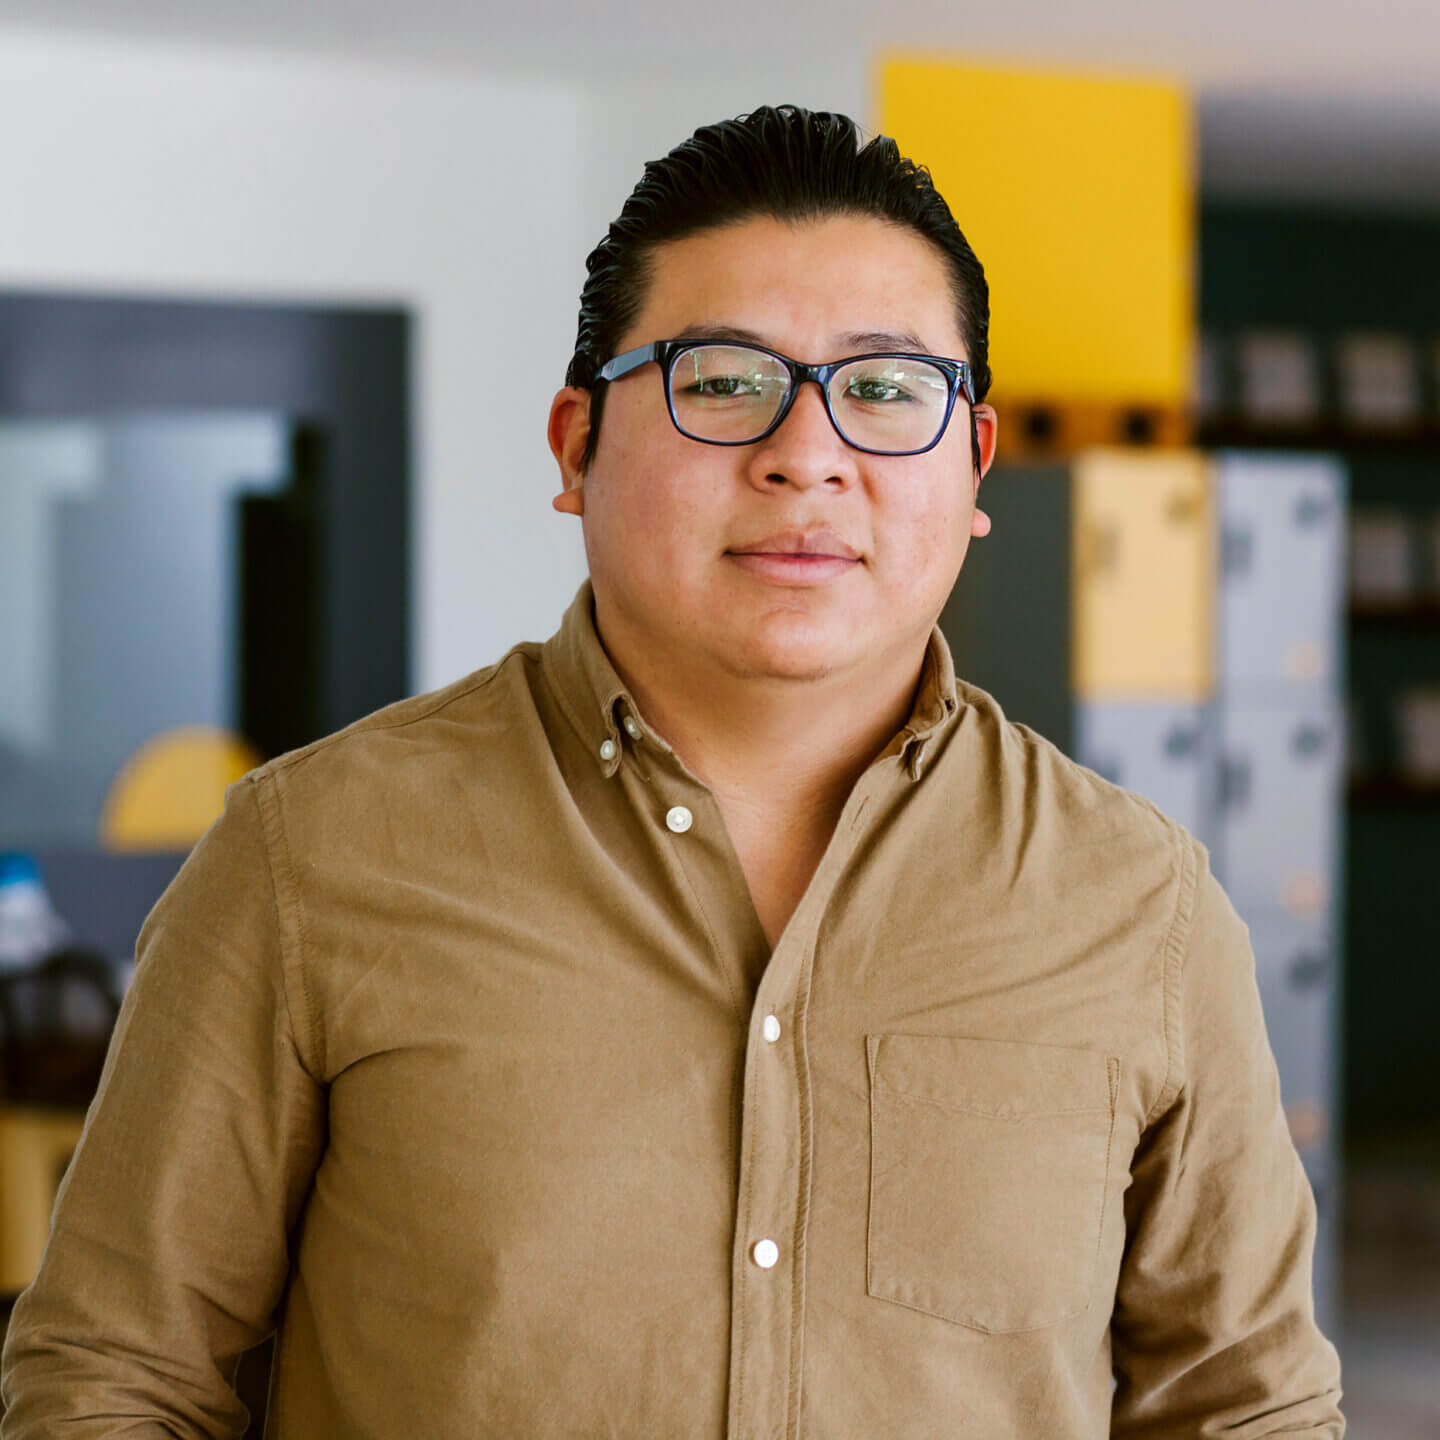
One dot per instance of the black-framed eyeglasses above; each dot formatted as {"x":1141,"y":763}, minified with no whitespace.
{"x":729,"y":393}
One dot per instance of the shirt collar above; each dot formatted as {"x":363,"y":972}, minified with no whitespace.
{"x":599,"y":706}
{"x":936,"y":703}
{"x":587,"y":685}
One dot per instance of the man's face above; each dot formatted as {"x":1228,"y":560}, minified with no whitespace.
{"x":687,"y":541}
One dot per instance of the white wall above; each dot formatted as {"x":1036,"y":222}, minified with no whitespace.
{"x":1327,"y":100}
{"x":178,"y":171}
{"x":151,"y":168}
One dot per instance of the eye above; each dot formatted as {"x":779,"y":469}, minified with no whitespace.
{"x":874,"y":389}
{"x":723,"y":387}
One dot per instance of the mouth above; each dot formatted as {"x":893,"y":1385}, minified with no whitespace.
{"x":796,"y":557}
{"x":822,"y":544}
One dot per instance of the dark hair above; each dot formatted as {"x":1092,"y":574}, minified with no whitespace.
{"x":780,"y":161}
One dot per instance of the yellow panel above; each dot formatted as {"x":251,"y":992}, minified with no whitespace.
{"x":1077,"y":194}
{"x":35,"y":1148}
{"x":1143,"y":565}
{"x":173,"y":788}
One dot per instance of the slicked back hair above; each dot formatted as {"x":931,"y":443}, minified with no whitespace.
{"x":782,"y":162}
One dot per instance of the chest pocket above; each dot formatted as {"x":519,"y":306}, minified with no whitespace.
{"x":989,"y":1168}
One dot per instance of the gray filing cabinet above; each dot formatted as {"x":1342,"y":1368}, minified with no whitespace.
{"x":1296,"y":974}
{"x":1282,"y":556}
{"x":1161,"y":750}
{"x":1277,"y":836}
{"x":1280,"y":728}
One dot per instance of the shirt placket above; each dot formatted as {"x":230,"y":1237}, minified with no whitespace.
{"x":768,"y":1257}
{"x":775,"y":1122}
{"x":771,"y":1133}
{"x":768,"y":1262}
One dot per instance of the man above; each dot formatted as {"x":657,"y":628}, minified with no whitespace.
{"x":717,"y":1020}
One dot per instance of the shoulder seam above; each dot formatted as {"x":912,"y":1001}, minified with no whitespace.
{"x":1173,"y":950}
{"x":290,"y":915}
{"x":370,"y":723}
{"x":1091,"y":778}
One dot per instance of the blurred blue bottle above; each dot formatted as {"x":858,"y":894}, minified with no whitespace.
{"x":29,"y":927}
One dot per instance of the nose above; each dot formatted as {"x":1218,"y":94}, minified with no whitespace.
{"x":805,"y":450}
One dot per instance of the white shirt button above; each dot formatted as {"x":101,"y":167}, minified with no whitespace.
{"x":765,"y":1253}
{"x":678,"y":819}
{"x":632,"y":727}
{"x":608,"y":749}
{"x":770,"y":1028}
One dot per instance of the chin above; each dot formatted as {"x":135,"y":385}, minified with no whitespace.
{"x":801,"y":654}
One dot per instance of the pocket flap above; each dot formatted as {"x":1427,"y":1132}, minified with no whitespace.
{"x":1003,"y":1079}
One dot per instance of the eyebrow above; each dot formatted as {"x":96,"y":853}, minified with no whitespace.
{"x":855,"y":341}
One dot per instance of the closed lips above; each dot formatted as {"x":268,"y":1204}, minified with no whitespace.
{"x":816,"y":543}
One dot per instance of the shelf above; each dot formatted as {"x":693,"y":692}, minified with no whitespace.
{"x":1416,"y":439}
{"x":1423,"y":614}
{"x":1393,"y":793}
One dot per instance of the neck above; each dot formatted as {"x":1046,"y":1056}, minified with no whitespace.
{"x":767,"y":743}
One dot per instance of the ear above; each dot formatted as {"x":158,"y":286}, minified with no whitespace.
{"x":568,"y":432}
{"x":987,"y":432}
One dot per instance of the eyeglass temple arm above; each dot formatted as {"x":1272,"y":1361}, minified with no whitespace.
{"x":622,"y":365}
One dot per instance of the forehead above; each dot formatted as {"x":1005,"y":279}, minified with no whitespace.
{"x":802,"y":285}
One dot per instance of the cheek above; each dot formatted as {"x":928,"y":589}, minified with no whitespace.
{"x":925,"y":527}
{"x":654,"y":495}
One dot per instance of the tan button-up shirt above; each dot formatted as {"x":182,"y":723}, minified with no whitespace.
{"x":457,"y":1053}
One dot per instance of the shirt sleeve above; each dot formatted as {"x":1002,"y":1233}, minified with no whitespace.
{"x":169,"y":1244}
{"x":1214,"y":1330}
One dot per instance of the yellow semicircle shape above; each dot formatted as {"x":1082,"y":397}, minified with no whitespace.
{"x":173,"y":788}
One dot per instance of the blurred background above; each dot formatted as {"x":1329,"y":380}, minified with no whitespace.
{"x":285,"y":289}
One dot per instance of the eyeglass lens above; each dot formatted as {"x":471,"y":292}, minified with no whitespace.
{"x":731,"y":394}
